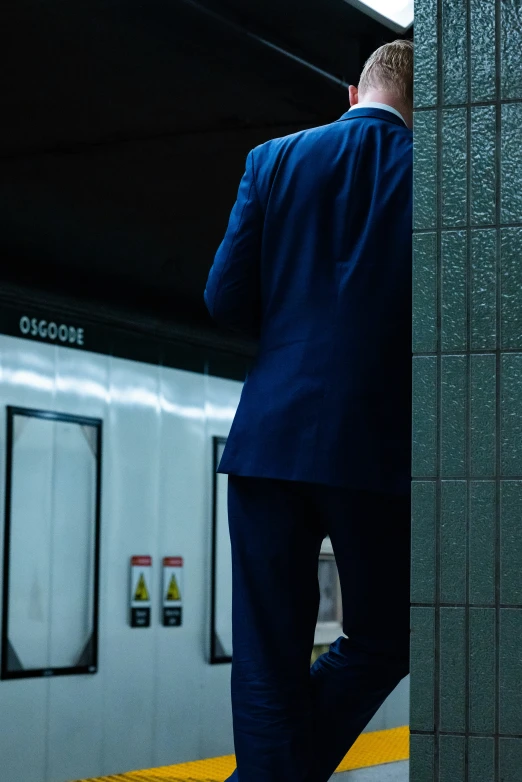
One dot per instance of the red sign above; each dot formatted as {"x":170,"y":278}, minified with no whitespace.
{"x":172,"y":561}
{"x":143,"y":561}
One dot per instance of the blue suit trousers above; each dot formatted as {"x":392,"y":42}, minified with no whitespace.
{"x":293,"y":723}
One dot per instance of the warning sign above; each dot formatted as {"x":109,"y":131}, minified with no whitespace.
{"x":140,"y":591}
{"x":172,"y":591}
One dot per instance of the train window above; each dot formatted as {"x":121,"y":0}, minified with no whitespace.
{"x":221,"y":580}
{"x":329,"y":620}
{"x":51,"y":551}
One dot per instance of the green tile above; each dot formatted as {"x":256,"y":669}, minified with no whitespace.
{"x":453,"y":416}
{"x":511,"y":414}
{"x":454,"y":291}
{"x":454,"y":51}
{"x":452,"y":759}
{"x":423,"y":542}
{"x":511,"y":163}
{"x":511,"y":543}
{"x":511,"y":287}
{"x":424,"y":445}
{"x":453,"y":532}
{"x":425,"y":33}
{"x":510,"y":671}
{"x":510,"y":752}
{"x":483,"y":401}
{"x":481,"y":759}
{"x":482,"y":55}
{"x":454,"y":168}
{"x":424,"y":293}
{"x":482,"y":670}
{"x":452,"y":670}
{"x":510,"y":48}
{"x":483,"y":165}
{"x":425,"y":170}
{"x":422,"y":757}
{"x":482,"y":537}
{"x":422,"y":668}
{"x":483,"y":305}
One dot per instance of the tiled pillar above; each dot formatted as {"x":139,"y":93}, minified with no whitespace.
{"x":466,"y":709}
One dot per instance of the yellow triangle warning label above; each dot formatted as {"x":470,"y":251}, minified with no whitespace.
{"x":173,"y":591}
{"x":142,"y":593}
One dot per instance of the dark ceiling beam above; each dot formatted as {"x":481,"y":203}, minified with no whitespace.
{"x":26,"y":299}
{"x":264,"y":42}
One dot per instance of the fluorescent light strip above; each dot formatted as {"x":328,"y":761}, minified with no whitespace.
{"x":398,"y":12}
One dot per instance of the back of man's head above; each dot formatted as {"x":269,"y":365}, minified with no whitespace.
{"x":390,"y":70}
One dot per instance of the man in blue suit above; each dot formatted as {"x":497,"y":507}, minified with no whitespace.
{"x":316,"y":264}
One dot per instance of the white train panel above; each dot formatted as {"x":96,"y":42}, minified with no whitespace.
{"x":155,"y":698}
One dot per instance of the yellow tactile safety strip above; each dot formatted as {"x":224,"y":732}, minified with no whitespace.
{"x":370,"y":749}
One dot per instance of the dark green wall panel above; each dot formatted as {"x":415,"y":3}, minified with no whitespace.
{"x":511,"y":168}
{"x":422,"y":762}
{"x":483,"y":285}
{"x":454,"y":168}
{"x":453,"y":682}
{"x":483,"y":415}
{"x":511,"y":414}
{"x":510,"y":671}
{"x":454,"y":51}
{"x":422,"y":713}
{"x":454,"y":291}
{"x":510,"y":48}
{"x":425,"y":170}
{"x":423,"y":520}
{"x":482,"y":55}
{"x":424,"y":416}
{"x":426,"y":53}
{"x":511,"y":543}
{"x":467,"y":385}
{"x":453,"y":415}
{"x":482,"y":542}
{"x":453,"y":542}
{"x":511,"y":287}
{"x":483,"y":165}
{"x":481,"y":759}
{"x":424,"y":336}
{"x":452,"y":762}
{"x":482,"y":668}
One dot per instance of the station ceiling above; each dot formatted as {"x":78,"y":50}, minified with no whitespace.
{"x":125,"y":128}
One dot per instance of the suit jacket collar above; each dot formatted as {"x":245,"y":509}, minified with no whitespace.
{"x":372,"y":114}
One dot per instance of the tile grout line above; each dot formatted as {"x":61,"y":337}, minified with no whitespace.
{"x":476,"y":226}
{"x":498,"y":454}
{"x":438,"y":215}
{"x":475,"y":734}
{"x":469,"y":391}
{"x":480,"y":103}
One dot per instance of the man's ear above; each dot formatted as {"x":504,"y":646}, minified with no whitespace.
{"x":353,"y":93}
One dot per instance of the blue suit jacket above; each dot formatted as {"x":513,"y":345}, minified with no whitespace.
{"x":316,"y":263}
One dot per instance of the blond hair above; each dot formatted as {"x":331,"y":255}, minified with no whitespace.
{"x":390,"y":68}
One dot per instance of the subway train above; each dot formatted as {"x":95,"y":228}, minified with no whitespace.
{"x":116,"y":589}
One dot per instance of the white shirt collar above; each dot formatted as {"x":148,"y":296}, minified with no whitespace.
{"x":374,"y":105}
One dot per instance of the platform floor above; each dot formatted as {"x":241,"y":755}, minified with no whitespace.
{"x":391,"y":772}
{"x":388,"y":747}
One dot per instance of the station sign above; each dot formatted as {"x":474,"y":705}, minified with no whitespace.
{"x":52,"y":331}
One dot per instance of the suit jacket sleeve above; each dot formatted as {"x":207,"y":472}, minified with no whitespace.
{"x":233,"y":295}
